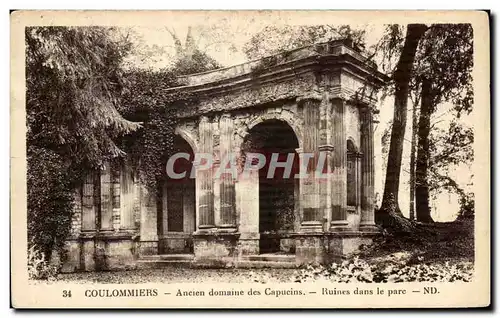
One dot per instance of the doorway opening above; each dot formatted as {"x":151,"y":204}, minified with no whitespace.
{"x":278,"y":189}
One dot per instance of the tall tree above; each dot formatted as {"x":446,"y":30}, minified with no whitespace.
{"x":390,"y":213}
{"x":444,"y":71}
{"x":422,"y":163}
{"x":189,"y":58}
{"x":74,"y":82}
{"x":413,"y":147}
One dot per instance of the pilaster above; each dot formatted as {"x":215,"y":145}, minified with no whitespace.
{"x":227,"y":178}
{"x":367,"y":222}
{"x":204,"y":179}
{"x":339,"y":184}
{"x":308,"y":159}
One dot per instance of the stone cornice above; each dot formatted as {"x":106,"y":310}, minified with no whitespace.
{"x":310,"y":96}
{"x":288,"y":69}
{"x":326,"y":147}
{"x":322,"y":52}
{"x":343,"y":75}
{"x":354,"y":154}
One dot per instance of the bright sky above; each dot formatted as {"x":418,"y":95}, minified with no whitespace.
{"x":224,"y":37}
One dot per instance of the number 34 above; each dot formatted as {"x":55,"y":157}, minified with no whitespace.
{"x":66,"y":293}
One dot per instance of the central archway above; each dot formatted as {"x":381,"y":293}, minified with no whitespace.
{"x":278,"y":189}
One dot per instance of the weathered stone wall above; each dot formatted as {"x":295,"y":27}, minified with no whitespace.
{"x":353,"y":126}
{"x":114,"y":248}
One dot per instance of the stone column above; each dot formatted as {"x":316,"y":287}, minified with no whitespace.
{"x":310,"y":187}
{"x":359,"y":181}
{"x":227,"y":179}
{"x":339,"y":186}
{"x":205,"y":179}
{"x":367,"y":222}
{"x":211,"y":246}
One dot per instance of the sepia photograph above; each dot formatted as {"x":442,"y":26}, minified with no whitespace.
{"x":260,"y":148}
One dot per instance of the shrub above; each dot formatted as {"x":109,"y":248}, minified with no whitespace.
{"x":50,"y":200}
{"x":38,"y":266}
{"x":356,"y":270}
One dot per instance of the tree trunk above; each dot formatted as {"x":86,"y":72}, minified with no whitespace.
{"x":412,"y":160}
{"x":179,"y":50}
{"x":389,"y":214}
{"x":422,"y":166}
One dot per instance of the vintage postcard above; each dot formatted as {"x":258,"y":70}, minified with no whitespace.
{"x":250,"y":159}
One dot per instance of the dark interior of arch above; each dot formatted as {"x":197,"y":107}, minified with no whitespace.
{"x":276,"y":194}
{"x":350,"y":146}
{"x":352,"y":173}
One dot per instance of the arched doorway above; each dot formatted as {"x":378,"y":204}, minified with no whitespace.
{"x":278,"y":189}
{"x":178,"y":204}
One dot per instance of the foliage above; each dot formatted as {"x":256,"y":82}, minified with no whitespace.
{"x":466,"y":206}
{"x":197,"y":62}
{"x":275,"y":39}
{"x":440,"y":182}
{"x":389,"y":47}
{"x":149,"y":100}
{"x":189,"y":58}
{"x":50,"y":182}
{"x":446,"y":57}
{"x":38,"y":266}
{"x":74,"y":83}
{"x":146,"y":101}
{"x":82,"y":109}
{"x":358,"y":271}
{"x":452,"y":147}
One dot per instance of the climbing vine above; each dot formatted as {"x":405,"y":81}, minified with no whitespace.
{"x":148,"y":101}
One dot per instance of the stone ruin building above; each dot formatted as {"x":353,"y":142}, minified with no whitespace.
{"x":317,"y":99}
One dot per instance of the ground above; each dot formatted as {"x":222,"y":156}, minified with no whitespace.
{"x":180,"y":274}
{"x":436,"y":252}
{"x":430,"y":243}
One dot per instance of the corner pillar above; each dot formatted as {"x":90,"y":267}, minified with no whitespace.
{"x":309,"y":241}
{"x":312,"y":217}
{"x":339,"y":185}
{"x":367,"y":222}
